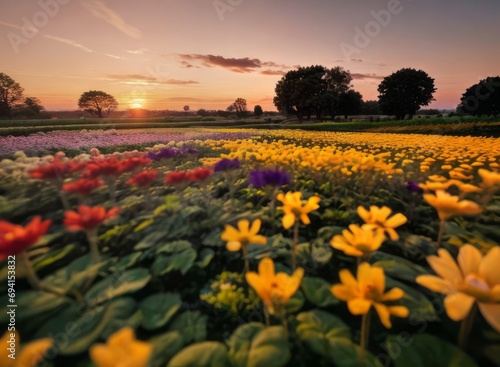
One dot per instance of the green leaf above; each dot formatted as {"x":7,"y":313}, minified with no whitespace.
{"x":206,"y":256}
{"x":118,"y":284}
{"x":295,"y":303}
{"x":397,"y":267}
{"x":144,"y":224}
{"x":254,"y":345}
{"x":98,"y":323}
{"x":206,"y":354}
{"x":423,"y":350}
{"x":53,"y":257}
{"x":158,"y":309}
{"x":182,"y":261}
{"x":192,"y":325}
{"x":125,"y":262}
{"x":317,"y":291}
{"x":327,"y":336}
{"x":174,"y":247}
{"x":151,"y":240}
{"x":165,"y":346}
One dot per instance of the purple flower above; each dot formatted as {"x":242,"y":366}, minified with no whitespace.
{"x":189,"y":150}
{"x":271,"y":177}
{"x":227,"y":164}
{"x":164,"y":153}
{"x":413,"y":187}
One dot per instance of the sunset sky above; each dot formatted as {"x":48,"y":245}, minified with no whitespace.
{"x":164,"y":54}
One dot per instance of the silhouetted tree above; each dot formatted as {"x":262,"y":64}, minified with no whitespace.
{"x":350,"y":103}
{"x":10,"y":93}
{"x":30,"y":108}
{"x":257,"y":110}
{"x":97,"y":103}
{"x":405,"y":91}
{"x":370,"y":108}
{"x":202,"y":112}
{"x":186,"y":108}
{"x":311,"y":90}
{"x":482,"y":98}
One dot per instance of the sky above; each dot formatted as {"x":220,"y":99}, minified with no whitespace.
{"x":165,"y":54}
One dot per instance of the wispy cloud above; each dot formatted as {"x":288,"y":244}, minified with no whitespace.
{"x":180,"y":82}
{"x":133,"y":77}
{"x":139,"y":51}
{"x":146,"y":79}
{"x":116,"y":57}
{"x":237,"y":65}
{"x":100,"y":10}
{"x":360,"y":76}
{"x":68,"y":42}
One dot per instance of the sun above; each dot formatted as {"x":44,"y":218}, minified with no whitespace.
{"x":136,"y":103}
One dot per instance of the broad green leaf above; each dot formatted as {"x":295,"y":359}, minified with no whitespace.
{"x":98,"y":323}
{"x":118,"y":284}
{"x":158,"y":309}
{"x":317,"y":291}
{"x":182,"y":261}
{"x":295,"y":303}
{"x":254,"y":345}
{"x":423,"y":350}
{"x":125,"y":262}
{"x":151,"y":240}
{"x":59,"y":324}
{"x":165,"y":346}
{"x":174,"y":247}
{"x":206,"y":256}
{"x":192,"y":325}
{"x":53,"y":256}
{"x":327,"y":336}
{"x":397,"y":267}
{"x":206,"y":354}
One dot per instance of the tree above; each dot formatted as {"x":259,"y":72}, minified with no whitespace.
{"x":202,"y":112}
{"x":311,"y":90}
{"x":257,"y":110}
{"x":405,"y":91}
{"x":97,"y":103}
{"x":240,"y":106}
{"x":10,"y":93}
{"x":370,"y":108}
{"x":186,"y":108}
{"x":31,"y":108}
{"x":350,"y":103}
{"x":482,"y":98}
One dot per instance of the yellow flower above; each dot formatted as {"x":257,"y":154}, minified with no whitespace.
{"x":368,"y":291}
{"x":122,"y":349}
{"x":30,"y":355}
{"x":359,"y":241}
{"x":295,"y":209}
{"x":447,"y":205}
{"x":490,"y":179}
{"x":476,"y":278}
{"x":244,"y":235}
{"x":377,"y":218}
{"x":275,"y":290}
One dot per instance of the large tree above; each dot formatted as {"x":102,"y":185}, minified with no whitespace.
{"x":10,"y":94}
{"x":97,"y":103}
{"x":311,"y":90}
{"x":30,"y":108}
{"x":405,"y":91}
{"x":350,"y":103}
{"x":257,"y":110}
{"x":482,"y":98}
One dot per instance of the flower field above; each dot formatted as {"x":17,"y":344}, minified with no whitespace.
{"x":169,"y":248}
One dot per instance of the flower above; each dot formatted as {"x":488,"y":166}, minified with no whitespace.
{"x":83,"y":186}
{"x":447,"y":205}
{"x":377,"y":218}
{"x":199,"y":174}
{"x":164,"y":153}
{"x":271,"y":177}
{"x":175,"y":177}
{"x":57,"y":169}
{"x":274,"y":289}
{"x":413,"y":187}
{"x":358,"y":241}
{"x":294,"y":208}
{"x":144,"y":178}
{"x":103,"y":167}
{"x":88,"y":218}
{"x":121,"y":349}
{"x":244,"y":235}
{"x":476,"y":278}
{"x":130,"y":164}
{"x":227,"y":164}
{"x":367,"y":291}
{"x":14,"y":239}
{"x":31,"y":354}
{"x":490,"y":179}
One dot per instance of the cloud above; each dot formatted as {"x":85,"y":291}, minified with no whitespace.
{"x":360,"y":76}
{"x":356,"y":60}
{"x":139,"y":51}
{"x":180,"y":82}
{"x":237,"y":65}
{"x":68,"y":42}
{"x":273,"y":72}
{"x":133,"y":77}
{"x":116,"y":57}
{"x":100,"y":10}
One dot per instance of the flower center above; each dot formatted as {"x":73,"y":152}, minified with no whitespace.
{"x":475,"y":286}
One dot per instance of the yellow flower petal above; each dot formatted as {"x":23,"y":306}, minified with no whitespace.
{"x":383,"y":314}
{"x":435,"y":284}
{"x":266,"y":269}
{"x":445,"y":266}
{"x":393,"y":295}
{"x":399,"y":311}
{"x":32,"y":353}
{"x":396,"y":220}
{"x":233,"y":246}
{"x":288,"y":220}
{"x":255,"y":228}
{"x":343,"y":292}
{"x":458,"y":305}
{"x":469,"y":258}
{"x":359,"y":306}
{"x":348,"y":279}
{"x":491,"y":312}
{"x":5,"y":344}
{"x":489,"y":267}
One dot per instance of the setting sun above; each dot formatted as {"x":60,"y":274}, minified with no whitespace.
{"x":136,"y":103}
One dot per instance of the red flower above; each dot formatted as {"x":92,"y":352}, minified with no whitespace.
{"x":56,"y":169}
{"x":83,"y":186}
{"x":175,"y":178}
{"x":87,"y":217}
{"x":129,"y":164}
{"x":143,"y":178}
{"x":103,"y":167}
{"x":199,"y":174}
{"x":14,"y":239}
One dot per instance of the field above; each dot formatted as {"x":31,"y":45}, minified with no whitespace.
{"x":251,"y":247}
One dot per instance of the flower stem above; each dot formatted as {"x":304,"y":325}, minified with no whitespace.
{"x":33,"y":279}
{"x":284,"y":322}
{"x":93,"y":244}
{"x":440,"y":234}
{"x":266,"y":315}
{"x":365,"y":331}
{"x":245,"y":258}
{"x":295,"y":243}
{"x":466,"y":327}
